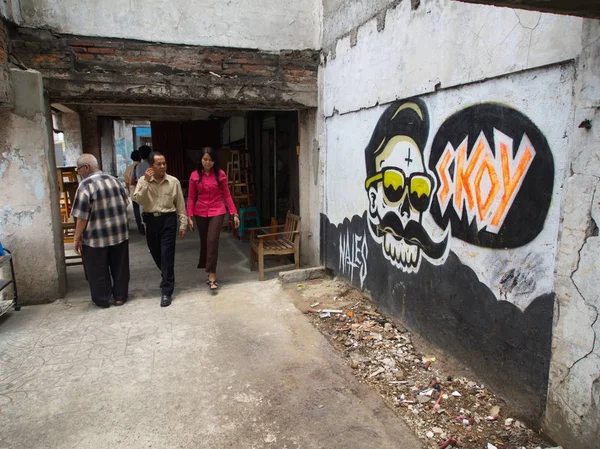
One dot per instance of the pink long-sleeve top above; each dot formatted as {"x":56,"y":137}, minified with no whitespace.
{"x":206,"y":198}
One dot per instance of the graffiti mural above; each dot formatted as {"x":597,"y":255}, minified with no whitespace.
{"x":495,"y":173}
{"x":488,"y":181}
{"x":353,"y":256}
{"x":400,"y":187}
{"x":452,"y":225}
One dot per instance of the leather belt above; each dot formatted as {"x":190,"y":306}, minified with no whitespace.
{"x":156,"y":214}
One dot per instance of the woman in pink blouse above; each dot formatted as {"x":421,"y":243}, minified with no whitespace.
{"x":206,"y":201}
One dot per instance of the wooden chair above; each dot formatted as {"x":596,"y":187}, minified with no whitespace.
{"x":271,"y":243}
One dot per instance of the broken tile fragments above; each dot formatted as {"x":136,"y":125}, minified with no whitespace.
{"x":444,"y":410}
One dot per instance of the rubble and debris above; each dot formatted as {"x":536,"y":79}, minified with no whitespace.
{"x":444,"y":409}
{"x":448,"y":443}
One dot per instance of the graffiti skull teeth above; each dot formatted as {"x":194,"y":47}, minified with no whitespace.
{"x":400,"y":253}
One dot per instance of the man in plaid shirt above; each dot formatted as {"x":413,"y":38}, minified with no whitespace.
{"x":101,"y":232}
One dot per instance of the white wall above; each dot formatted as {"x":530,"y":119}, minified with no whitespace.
{"x":238,"y":23}
{"x":543,"y":65}
{"x":449,"y":43}
{"x":341,"y":16}
{"x":573,"y":412}
{"x":10,"y":9}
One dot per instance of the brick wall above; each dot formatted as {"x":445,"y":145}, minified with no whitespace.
{"x":98,"y":69}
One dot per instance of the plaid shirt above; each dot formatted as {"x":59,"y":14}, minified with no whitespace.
{"x":102,"y":201}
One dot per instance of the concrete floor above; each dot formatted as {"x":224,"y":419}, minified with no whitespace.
{"x":242,"y":368}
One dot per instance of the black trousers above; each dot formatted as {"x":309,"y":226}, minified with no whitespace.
{"x":138,"y":217}
{"x":209,"y":229}
{"x":108,"y":271}
{"x":161,"y":233}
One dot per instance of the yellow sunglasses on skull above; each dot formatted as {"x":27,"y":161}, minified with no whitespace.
{"x":399,"y":187}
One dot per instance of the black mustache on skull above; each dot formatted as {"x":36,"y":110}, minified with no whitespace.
{"x":414,"y":234}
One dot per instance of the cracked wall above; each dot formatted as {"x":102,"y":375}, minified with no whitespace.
{"x":487,"y":306}
{"x":573,"y":412}
{"x":449,"y":44}
{"x":232,"y":23}
{"x":29,"y":194}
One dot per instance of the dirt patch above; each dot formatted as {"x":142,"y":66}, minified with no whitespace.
{"x":438,"y":397}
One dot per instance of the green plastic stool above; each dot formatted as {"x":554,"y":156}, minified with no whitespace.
{"x":249,"y":218}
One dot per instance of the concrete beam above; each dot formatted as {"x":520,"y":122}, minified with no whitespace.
{"x":98,"y":70}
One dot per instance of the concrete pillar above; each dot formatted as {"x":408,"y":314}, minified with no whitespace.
{"x":90,"y":135}
{"x":71,"y":127}
{"x":29,"y":215}
{"x":107,"y":145}
{"x":123,"y":145}
{"x":311,"y":187}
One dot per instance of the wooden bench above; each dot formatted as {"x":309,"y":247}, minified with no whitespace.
{"x":282,"y":243}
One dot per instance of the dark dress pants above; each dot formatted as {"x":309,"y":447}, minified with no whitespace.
{"x":108,"y":272}
{"x":161,"y":233}
{"x":138,"y":217}
{"x":209,"y":229}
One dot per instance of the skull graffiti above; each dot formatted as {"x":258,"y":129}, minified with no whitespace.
{"x":400,"y":188}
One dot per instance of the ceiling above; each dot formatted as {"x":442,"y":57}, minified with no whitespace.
{"x":146,"y":111}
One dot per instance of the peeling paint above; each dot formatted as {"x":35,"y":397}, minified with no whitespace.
{"x":3,"y":168}
{"x":12,"y":219}
{"x":30,"y":172}
{"x":39,"y":189}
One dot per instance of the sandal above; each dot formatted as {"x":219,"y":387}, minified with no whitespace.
{"x":119,"y":302}
{"x":213,"y":285}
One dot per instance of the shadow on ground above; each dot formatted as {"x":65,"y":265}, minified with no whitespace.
{"x":233,"y":267}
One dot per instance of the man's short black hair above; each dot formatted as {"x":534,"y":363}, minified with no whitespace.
{"x":145,"y":151}
{"x":154,"y":155}
{"x":135,"y":156}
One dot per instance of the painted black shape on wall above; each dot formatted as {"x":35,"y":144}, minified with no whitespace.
{"x":525,"y":168}
{"x":451,"y":307}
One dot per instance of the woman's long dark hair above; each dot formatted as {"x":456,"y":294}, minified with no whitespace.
{"x":213,"y":155}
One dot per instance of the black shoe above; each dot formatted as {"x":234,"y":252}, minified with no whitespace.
{"x":102,"y":305}
{"x":165,"y":301}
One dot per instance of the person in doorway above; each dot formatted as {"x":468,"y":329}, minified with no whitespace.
{"x":208,"y":193}
{"x":161,"y":197}
{"x":141,"y":168}
{"x":136,"y":158}
{"x":101,"y":232}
